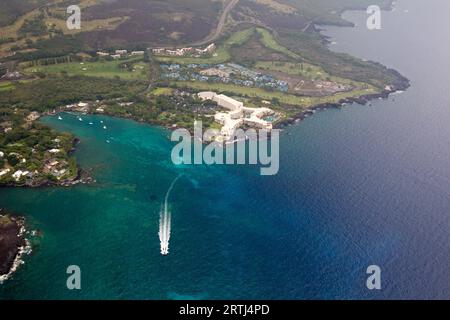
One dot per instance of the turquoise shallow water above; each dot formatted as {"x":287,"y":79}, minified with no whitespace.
{"x":233,"y":236}
{"x":104,"y":228}
{"x":358,"y":186}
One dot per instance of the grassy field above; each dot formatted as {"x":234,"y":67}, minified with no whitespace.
{"x":6,"y":85}
{"x":308,"y":71}
{"x":298,"y":69}
{"x":90,"y":25}
{"x":242,"y":91}
{"x":103,"y":69}
{"x":270,"y":42}
{"x":261,"y":94}
{"x":13,"y":30}
{"x":161,"y":91}
{"x":277,"y":6}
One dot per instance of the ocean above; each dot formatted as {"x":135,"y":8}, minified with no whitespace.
{"x":357,"y":186}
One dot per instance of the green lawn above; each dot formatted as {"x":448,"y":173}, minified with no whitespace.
{"x":6,"y":85}
{"x":299,"y":69}
{"x":270,"y":42}
{"x":308,"y":71}
{"x":103,"y":69}
{"x":302,"y":102}
{"x":162,"y":91}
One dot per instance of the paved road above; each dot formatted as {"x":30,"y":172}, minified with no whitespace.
{"x":222,"y":21}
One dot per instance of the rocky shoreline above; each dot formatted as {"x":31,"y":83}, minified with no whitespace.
{"x":13,"y":244}
{"x":401,"y":84}
{"x":363,"y":100}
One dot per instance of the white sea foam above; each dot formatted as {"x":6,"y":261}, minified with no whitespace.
{"x":165,"y":221}
{"x":23,"y":250}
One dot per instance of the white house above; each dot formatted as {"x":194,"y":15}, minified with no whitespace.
{"x":211,"y":47}
{"x":227,"y":102}
{"x":206,"y":95}
{"x":171,"y":52}
{"x":159,"y":50}
{"x":208,"y":49}
{"x":183,"y":51}
{"x":221,"y":99}
{"x":19,"y":174}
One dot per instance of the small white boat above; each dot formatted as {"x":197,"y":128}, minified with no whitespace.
{"x":59,"y":118}
{"x":107,"y":141}
{"x":101,"y":121}
{"x":104,"y":127}
{"x":79,"y":119}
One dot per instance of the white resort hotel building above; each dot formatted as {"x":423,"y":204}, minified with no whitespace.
{"x":238,"y":114}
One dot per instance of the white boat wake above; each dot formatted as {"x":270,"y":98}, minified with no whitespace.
{"x":165,"y":217}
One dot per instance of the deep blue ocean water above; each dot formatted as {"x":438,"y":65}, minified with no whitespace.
{"x":358,"y":186}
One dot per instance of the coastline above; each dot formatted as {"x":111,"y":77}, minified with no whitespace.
{"x":358,"y":185}
{"x":362,"y":100}
{"x":82,"y":177}
{"x":389,"y":6}
{"x":13,"y":244}
{"x":402,"y":85}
